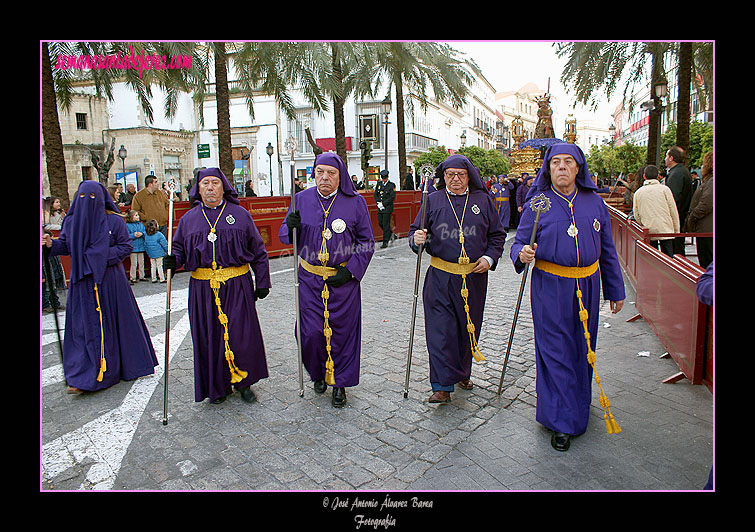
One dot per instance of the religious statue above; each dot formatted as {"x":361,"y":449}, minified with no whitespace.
{"x":544,"y":127}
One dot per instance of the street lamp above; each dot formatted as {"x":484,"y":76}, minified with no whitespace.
{"x":463,"y":139}
{"x":660,"y":90}
{"x":122,"y":153}
{"x":386,"y":104}
{"x":269,"y":149}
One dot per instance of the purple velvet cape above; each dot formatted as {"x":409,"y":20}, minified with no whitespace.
{"x":238,"y":243}
{"x":98,"y":243}
{"x":564,"y":377}
{"x":445,"y":319}
{"x":355,"y":246}
{"x":503,"y":207}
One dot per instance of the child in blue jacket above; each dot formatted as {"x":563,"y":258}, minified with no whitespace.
{"x":156,"y":247}
{"x":136,"y":232}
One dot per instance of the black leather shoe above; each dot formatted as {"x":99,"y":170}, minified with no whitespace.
{"x":320,"y":386}
{"x":339,"y":397}
{"x":219,"y":400}
{"x":247,"y":394}
{"x":560,"y":441}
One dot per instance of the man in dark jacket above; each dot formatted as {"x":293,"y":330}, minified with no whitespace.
{"x":385,"y":193}
{"x":679,"y":181}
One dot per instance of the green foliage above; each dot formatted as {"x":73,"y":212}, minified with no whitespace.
{"x":700,"y":143}
{"x":489,"y":162}
{"x":434,"y":157}
{"x":605,"y":160}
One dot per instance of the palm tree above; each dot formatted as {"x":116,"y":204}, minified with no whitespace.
{"x":334,"y":70}
{"x":58,"y":89}
{"x":53,"y":142}
{"x":419,"y":65}
{"x":592,"y":67}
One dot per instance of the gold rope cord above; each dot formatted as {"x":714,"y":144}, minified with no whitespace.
{"x":611,"y":425}
{"x":464,"y":259}
{"x":323,"y":257}
{"x":103,"y":363}
{"x":216,"y":277}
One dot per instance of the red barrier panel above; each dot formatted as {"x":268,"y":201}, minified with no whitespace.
{"x":269,"y":213}
{"x":626,"y":233}
{"x":667,"y":299}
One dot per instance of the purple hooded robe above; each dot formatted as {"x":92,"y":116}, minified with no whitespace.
{"x":98,"y":242}
{"x":501,"y":197}
{"x":238,"y":243}
{"x":448,"y":343}
{"x":564,"y":376}
{"x":354,"y":245}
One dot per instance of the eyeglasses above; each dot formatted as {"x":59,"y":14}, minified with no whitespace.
{"x":451,"y":175}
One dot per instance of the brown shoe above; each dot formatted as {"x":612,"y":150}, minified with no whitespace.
{"x":73,"y":390}
{"x":466,"y":384}
{"x":440,"y":397}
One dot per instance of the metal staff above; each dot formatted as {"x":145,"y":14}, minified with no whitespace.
{"x":50,"y":282}
{"x":426,"y":172}
{"x":291,"y":146}
{"x":168,"y":276}
{"x":538,"y":204}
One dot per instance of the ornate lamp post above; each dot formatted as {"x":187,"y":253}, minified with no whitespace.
{"x":269,"y":149}
{"x":386,"y":104}
{"x":122,"y":153}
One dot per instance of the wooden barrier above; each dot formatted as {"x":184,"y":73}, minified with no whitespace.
{"x":666,"y":289}
{"x":269,"y":213}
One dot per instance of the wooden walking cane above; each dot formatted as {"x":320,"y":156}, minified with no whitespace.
{"x":427,"y":172}
{"x":538,"y":204}
{"x":291,"y":145}
{"x":168,"y":277}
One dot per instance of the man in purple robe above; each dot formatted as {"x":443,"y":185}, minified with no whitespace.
{"x":219,"y":244}
{"x":335,"y":244}
{"x":464,"y":238}
{"x":501,"y":192}
{"x":573,"y":251}
{"x":106,"y":338}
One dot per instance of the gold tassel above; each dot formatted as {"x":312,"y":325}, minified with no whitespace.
{"x":237,"y":375}
{"x":103,"y":363}
{"x":612,"y":427}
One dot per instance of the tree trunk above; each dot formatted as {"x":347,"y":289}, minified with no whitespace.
{"x":338,"y":103}
{"x":683,"y":100}
{"x":400,"y":130}
{"x":53,"y":141}
{"x":654,"y":123}
{"x":224,"y":116}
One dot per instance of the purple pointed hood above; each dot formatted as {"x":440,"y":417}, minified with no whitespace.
{"x":543,"y":179}
{"x":458,"y":161}
{"x":332,"y":159}
{"x":229,"y":193}
{"x":86,"y":232}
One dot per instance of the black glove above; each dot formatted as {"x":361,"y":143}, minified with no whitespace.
{"x":261,"y":293}
{"x":169,"y":263}
{"x":293,"y":220}
{"x":341,"y":277}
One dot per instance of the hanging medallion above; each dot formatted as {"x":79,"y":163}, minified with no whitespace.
{"x":211,"y":236}
{"x":327,"y":235}
{"x":572,"y":231}
{"x":338,"y":225}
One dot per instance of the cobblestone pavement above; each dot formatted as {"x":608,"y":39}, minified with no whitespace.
{"x":115,"y":440}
